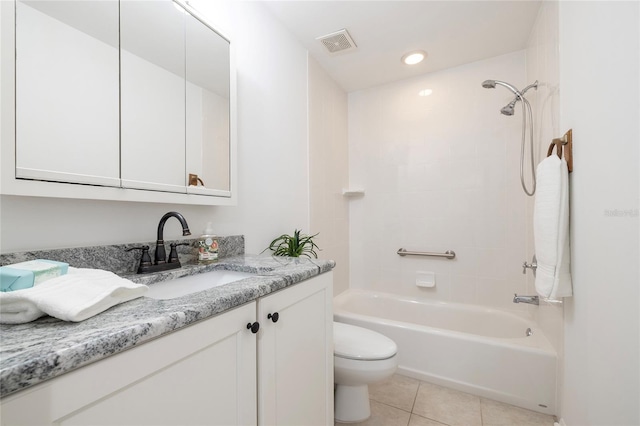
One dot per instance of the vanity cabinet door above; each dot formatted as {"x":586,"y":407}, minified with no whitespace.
{"x":67,"y":84}
{"x":204,"y":374}
{"x":295,"y":355}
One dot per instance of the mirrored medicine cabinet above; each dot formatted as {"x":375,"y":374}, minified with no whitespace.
{"x":128,"y":95}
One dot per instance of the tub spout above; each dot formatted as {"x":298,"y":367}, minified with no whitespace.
{"x":533,"y":300}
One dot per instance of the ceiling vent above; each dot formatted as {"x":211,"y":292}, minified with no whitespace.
{"x":338,"y":42}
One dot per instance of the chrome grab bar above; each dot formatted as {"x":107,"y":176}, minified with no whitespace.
{"x":449,"y":254}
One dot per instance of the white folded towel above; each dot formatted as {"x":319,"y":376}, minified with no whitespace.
{"x":551,"y":229}
{"x":79,"y":295}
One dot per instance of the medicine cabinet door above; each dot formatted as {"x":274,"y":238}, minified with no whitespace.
{"x":152,"y":37}
{"x":208,"y":106}
{"x":67,"y":104}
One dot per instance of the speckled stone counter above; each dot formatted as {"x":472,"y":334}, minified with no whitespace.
{"x":40,"y":350}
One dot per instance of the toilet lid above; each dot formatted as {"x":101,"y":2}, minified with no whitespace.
{"x":354,"y":342}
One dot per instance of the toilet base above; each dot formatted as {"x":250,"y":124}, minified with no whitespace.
{"x":352,"y":403}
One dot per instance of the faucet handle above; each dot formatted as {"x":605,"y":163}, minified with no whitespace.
{"x":533,"y":265}
{"x":145,"y":259}
{"x":173,"y":254}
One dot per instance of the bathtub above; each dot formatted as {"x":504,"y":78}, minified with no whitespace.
{"x":482,"y":351}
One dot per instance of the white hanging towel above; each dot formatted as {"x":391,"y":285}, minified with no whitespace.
{"x":551,"y":229}
{"x":79,"y":295}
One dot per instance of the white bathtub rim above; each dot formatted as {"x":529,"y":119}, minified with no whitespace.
{"x":537,"y":343}
{"x":521,"y":314}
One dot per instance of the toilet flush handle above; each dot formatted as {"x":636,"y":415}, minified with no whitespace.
{"x":274,"y":317}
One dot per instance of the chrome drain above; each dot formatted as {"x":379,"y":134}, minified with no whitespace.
{"x":528,"y":332}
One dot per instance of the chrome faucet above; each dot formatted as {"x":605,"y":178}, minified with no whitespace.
{"x":533,"y":300}
{"x":161,"y":254}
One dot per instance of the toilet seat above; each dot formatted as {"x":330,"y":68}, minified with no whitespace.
{"x":357,"y":343}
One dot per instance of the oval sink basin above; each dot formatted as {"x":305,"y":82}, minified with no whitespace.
{"x":193,"y":284}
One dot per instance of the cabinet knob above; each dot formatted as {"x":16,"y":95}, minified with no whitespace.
{"x":253,"y":327}
{"x":273,"y":317}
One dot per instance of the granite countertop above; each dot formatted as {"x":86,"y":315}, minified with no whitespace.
{"x":40,"y":350}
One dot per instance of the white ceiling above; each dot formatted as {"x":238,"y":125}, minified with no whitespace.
{"x":451,"y":32}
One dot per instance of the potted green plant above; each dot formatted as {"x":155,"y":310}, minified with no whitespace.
{"x":294,"y":246}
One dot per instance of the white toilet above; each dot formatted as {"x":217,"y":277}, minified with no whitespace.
{"x":361,"y":357}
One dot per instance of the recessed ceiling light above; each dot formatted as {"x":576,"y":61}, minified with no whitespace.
{"x":425,"y":92}
{"x":414,"y":57}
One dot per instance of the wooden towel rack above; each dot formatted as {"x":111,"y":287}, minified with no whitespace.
{"x":563,"y":146}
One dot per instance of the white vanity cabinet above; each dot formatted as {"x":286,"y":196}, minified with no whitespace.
{"x":215,"y":372}
{"x":204,"y":374}
{"x":295,"y":355}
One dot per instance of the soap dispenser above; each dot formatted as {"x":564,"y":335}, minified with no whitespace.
{"x":207,"y":246}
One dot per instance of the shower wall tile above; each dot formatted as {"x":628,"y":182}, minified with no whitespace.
{"x":440,"y":173}
{"x":492,"y":263}
{"x":467,"y":262}
{"x":493,"y":292}
{"x":463,"y":288}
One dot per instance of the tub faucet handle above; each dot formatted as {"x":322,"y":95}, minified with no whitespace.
{"x":533,"y":265}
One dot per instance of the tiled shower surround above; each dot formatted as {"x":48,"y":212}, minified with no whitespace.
{"x":441,"y":172}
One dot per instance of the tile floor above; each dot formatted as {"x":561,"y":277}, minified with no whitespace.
{"x":403,"y":401}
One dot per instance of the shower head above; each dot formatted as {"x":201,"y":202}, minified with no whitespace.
{"x":509,"y":108}
{"x":491,"y":84}
{"x":527,"y":117}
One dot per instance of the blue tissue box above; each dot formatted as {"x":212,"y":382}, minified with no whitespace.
{"x":27,"y":274}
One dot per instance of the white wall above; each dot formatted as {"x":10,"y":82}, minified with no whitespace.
{"x":543,"y":65}
{"x":600,"y":100}
{"x":272,"y":135}
{"x":440,"y":173}
{"x":329,"y":171}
